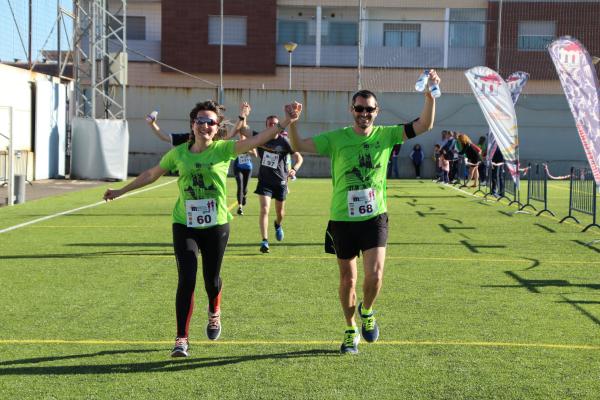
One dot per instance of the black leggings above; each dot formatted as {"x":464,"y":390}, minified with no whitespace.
{"x":242,"y":176}
{"x":211,"y":243}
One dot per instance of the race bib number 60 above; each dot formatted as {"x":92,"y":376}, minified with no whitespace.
{"x":361,"y":203}
{"x":201,"y":213}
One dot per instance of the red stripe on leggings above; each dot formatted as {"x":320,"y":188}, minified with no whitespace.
{"x":189,"y":316}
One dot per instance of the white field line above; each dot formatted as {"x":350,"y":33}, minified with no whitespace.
{"x":11,"y":228}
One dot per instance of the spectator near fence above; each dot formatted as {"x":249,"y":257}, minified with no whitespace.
{"x":473,"y":154}
{"x":393,"y":167}
{"x":417,"y":156}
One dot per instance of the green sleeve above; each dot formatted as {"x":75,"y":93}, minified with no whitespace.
{"x":167,"y":162}
{"x":323,"y":144}
{"x":398,"y":134}
{"x":226,"y":149}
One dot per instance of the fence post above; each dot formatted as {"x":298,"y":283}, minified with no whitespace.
{"x":571,"y":182}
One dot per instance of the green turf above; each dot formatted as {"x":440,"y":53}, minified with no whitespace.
{"x":477,"y":302}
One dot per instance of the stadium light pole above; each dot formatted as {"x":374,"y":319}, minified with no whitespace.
{"x":290,"y":47}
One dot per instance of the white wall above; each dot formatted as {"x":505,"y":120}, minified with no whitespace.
{"x":546,"y":127}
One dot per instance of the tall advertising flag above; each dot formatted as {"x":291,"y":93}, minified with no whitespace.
{"x":516,"y":82}
{"x":494,"y":97}
{"x":580,"y":83}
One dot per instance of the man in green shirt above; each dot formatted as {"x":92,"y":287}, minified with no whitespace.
{"x":358,"y":216}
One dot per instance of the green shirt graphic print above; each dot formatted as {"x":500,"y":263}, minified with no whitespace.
{"x":201,"y":176}
{"x":358,"y":164}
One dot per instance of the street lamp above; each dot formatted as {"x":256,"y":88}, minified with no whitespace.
{"x":290,"y":47}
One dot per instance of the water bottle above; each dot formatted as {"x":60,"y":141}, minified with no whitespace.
{"x":434,"y":89}
{"x":422,"y":81}
{"x":152,"y":116}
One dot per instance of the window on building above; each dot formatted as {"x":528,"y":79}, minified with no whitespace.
{"x":136,"y":27}
{"x":341,"y":34}
{"x":467,"y":27}
{"x":234,"y":30}
{"x":535,"y":35}
{"x":293,"y":31}
{"x":402,"y":35}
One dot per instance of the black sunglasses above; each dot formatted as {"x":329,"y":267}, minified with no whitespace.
{"x":205,"y":120}
{"x":360,"y":109}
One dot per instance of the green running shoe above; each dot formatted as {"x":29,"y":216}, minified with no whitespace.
{"x":350,"y":343}
{"x":370,"y":329}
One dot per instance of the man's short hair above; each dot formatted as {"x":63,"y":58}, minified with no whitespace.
{"x":365,"y":94}
{"x":271,"y":117}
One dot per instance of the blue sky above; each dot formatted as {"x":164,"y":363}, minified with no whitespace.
{"x":44,"y":27}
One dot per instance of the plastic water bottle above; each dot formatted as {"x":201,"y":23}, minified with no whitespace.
{"x":422,"y":81}
{"x":152,"y":116}
{"x":434,"y":89}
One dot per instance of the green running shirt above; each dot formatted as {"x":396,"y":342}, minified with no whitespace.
{"x":202,"y":176}
{"x":358,"y":169}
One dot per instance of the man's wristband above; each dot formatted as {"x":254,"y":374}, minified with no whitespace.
{"x":241,"y":118}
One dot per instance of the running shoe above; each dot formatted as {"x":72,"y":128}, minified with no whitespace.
{"x":350,"y":343}
{"x":213,"y":328}
{"x":278,"y":232}
{"x":181,"y":347}
{"x":240,"y":211}
{"x":370,"y":329}
{"x":264,"y":246}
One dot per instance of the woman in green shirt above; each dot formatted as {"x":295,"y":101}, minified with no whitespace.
{"x":200,"y":216}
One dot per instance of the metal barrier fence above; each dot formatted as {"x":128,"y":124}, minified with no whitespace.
{"x":482,"y":182}
{"x":461,"y":173}
{"x":582,"y":195}
{"x":537,"y":188}
{"x":510,"y":188}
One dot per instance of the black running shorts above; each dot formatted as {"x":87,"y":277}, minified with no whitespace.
{"x":278,"y":192}
{"x":347,"y":239}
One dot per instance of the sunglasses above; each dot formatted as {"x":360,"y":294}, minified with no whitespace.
{"x":360,"y":109}
{"x":205,"y":120}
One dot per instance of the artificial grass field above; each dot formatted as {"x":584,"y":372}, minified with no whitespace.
{"x":477,"y":303}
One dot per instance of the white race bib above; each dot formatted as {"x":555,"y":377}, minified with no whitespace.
{"x":361,"y":203}
{"x":244,"y":159}
{"x":201,"y":213}
{"x":270,"y":159}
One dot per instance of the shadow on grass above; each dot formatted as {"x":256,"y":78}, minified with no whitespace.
{"x":475,"y":248}
{"x":587,"y":245}
{"x":578,"y":307}
{"x":448,"y":229}
{"x":75,"y":356}
{"x":170,"y":365}
{"x":533,"y":285}
{"x":544,"y":227}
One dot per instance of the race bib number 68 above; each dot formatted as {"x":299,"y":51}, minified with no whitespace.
{"x":362,"y":203}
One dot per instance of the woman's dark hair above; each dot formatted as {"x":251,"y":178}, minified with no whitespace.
{"x":208,"y":105}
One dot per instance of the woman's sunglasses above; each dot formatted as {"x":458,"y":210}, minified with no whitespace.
{"x":205,"y":120}
{"x":360,"y":109}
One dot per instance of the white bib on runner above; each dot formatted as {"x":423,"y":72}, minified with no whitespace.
{"x":361,"y":203}
{"x":244,"y":159}
{"x":201,"y":213}
{"x":270,"y":159}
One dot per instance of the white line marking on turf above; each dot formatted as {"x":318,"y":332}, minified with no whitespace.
{"x":307,"y":342}
{"x":80,"y":208}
